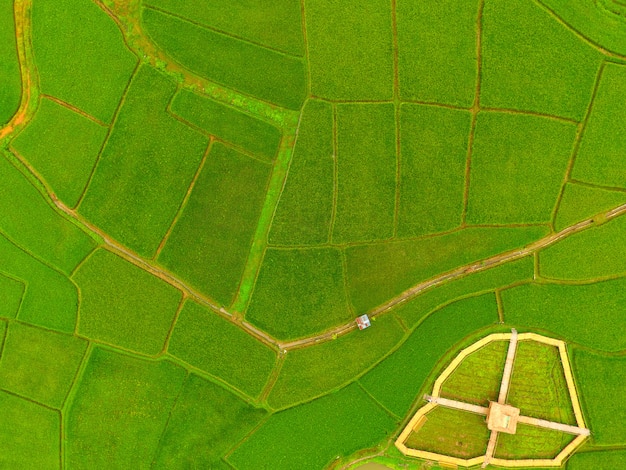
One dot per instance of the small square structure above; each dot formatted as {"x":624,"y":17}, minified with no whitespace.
{"x":502,"y":418}
{"x":363,"y":322}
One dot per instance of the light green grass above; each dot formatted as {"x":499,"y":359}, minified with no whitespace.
{"x":350,"y":49}
{"x":397,"y":380}
{"x":509,"y":151}
{"x":304,"y":211}
{"x":29,"y":435}
{"x":379,"y":272}
{"x":11,"y":292}
{"x":63,"y":147}
{"x":432,"y":168}
{"x":124,"y":305}
{"x":145,"y":169}
{"x":205,"y":422}
{"x":80,"y":55}
{"x":437,"y":51}
{"x":587,"y":255}
{"x":531,"y":442}
{"x":299,"y":293}
{"x":600,"y":382}
{"x":10,"y":75}
{"x":477,"y":378}
{"x":603,"y":143}
{"x":236,"y":64}
{"x":366,"y":167}
{"x":586,"y":314}
{"x":40,"y":364}
{"x":314,"y":370}
{"x":311,"y":436}
{"x":583,"y":202}
{"x":120,"y":411}
{"x":207,"y":341}
{"x":28,"y":219}
{"x":603,"y":460}
{"x":224,"y":122}
{"x":451,"y":432}
{"x":274,"y":24}
{"x":531,"y":62}
{"x":209,"y":245}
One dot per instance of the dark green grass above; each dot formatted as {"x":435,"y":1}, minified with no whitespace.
{"x":27,"y":218}
{"x":311,"y":436}
{"x":587,"y":314}
{"x":451,"y":432}
{"x":309,"y":372}
{"x":145,"y":169}
{"x":583,"y":202}
{"x":209,"y":342}
{"x":603,"y":143}
{"x":538,"y":387}
{"x":39,"y":364}
{"x":305,"y":207}
{"x":417,"y":308}
{"x":11,"y":292}
{"x":274,"y":24}
{"x":224,"y":122}
{"x":477,"y":378}
{"x":602,"y":389}
{"x":397,"y":380}
{"x":124,"y":305}
{"x":63,"y":147}
{"x":366,"y":166}
{"x":49,"y":300}
{"x":604,"y":460}
{"x":509,"y":151}
{"x":531,"y":62}
{"x":29,"y":435}
{"x":432,"y":168}
{"x":350,"y":49}
{"x":299,"y":293}
{"x":531,"y":442}
{"x":205,"y":422}
{"x":379,"y":272}
{"x":10,"y":75}
{"x":587,"y":255}
{"x":80,"y":55}
{"x":437,"y":51}
{"x":237,"y":64}
{"x":210,"y":243}
{"x":120,"y":411}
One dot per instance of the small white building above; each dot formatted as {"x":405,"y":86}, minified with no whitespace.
{"x":363,"y":322}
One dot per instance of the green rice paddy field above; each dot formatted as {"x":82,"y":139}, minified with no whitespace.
{"x":198,"y":198}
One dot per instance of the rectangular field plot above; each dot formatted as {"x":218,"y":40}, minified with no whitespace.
{"x":126,"y":399}
{"x":11,"y":293}
{"x":350,"y":45}
{"x":311,"y":436}
{"x":209,"y":244}
{"x":366,"y":166}
{"x":432,"y":168}
{"x":63,"y":147}
{"x":304,"y":211}
{"x":437,"y":51}
{"x":518,"y":166}
{"x":606,"y":460}
{"x":531,"y":62}
{"x":237,"y":64}
{"x":378,"y":272}
{"x":603,"y":143}
{"x":583,"y":202}
{"x":224,"y":122}
{"x":209,"y":421}
{"x":587,"y":314}
{"x":531,"y":442}
{"x":397,"y":380}
{"x":271,"y":23}
{"x":211,"y":343}
{"x":311,"y":371}
{"x":10,"y":75}
{"x":145,"y":168}
{"x":81,"y":56}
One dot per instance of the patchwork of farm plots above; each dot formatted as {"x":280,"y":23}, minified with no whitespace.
{"x":198,"y":198}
